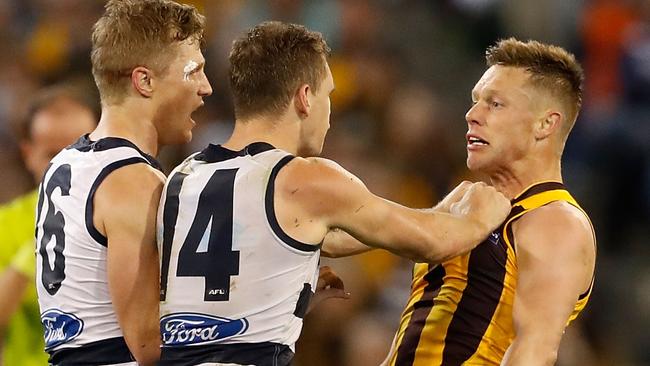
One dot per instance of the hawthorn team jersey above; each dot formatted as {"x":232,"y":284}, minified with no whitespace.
{"x":76,"y":311}
{"x":460,"y":312}
{"x":234,"y":285}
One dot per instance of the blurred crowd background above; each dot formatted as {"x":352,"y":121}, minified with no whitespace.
{"x":404,"y":70}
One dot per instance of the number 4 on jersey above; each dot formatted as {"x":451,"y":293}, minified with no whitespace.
{"x":213,"y":259}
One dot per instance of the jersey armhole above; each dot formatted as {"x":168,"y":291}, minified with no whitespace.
{"x":90,"y":205}
{"x":272,"y":218}
{"x":593,"y":234}
{"x":510,"y":238}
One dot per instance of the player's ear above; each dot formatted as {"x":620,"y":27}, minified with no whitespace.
{"x":141,"y":79}
{"x":301,"y":100}
{"x":548,"y":124}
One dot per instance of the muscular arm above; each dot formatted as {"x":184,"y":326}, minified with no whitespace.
{"x":327,"y":193}
{"x":338,"y":243}
{"x":126,"y":204}
{"x":555,"y":261}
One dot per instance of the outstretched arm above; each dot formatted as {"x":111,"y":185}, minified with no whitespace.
{"x":338,"y":243}
{"x":328,"y":193}
{"x":555,"y":261}
{"x":126,"y":204}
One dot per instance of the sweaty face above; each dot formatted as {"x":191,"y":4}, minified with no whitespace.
{"x":180,"y":92}
{"x":315,"y":126}
{"x":52,"y":129}
{"x":501,"y":120}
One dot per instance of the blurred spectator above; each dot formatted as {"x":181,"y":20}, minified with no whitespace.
{"x":604,"y":25}
{"x":57,"y":116}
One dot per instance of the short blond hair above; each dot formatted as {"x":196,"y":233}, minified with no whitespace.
{"x":134,"y":33}
{"x":551,"y":69}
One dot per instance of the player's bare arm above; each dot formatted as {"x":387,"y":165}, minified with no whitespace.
{"x":555,"y":259}
{"x":453,"y":197}
{"x":125,"y":208}
{"x":321,"y":195}
{"x":338,"y":243}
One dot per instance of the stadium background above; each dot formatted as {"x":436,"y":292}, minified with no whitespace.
{"x":404,"y":71}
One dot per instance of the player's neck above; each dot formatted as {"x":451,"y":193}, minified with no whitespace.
{"x":130,"y":124}
{"x":513,"y":180}
{"x":282,"y":134}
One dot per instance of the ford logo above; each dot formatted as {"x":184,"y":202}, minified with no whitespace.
{"x":182,"y":329}
{"x":60,"y":327}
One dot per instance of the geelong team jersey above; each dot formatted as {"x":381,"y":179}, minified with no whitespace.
{"x":76,"y":311}
{"x":460,"y":312}
{"x":234,"y":285}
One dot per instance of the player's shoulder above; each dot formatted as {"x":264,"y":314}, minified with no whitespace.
{"x":558,"y":224}
{"x":317,"y":182}
{"x":557,"y":214}
{"x":316,"y":169}
{"x":139,"y":172}
{"x":132,"y":180}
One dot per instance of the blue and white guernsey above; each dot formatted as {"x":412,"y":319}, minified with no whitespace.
{"x":234,"y":285}
{"x":76,"y":311}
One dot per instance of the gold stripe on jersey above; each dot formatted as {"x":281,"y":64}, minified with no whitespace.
{"x":460,"y":312}
{"x":417,"y":318}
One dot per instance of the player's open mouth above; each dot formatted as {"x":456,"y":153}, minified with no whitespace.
{"x":476,"y":141}
{"x":194,"y":111}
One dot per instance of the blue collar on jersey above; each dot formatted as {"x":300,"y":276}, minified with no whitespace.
{"x":215,"y":153}
{"x":85,"y":144}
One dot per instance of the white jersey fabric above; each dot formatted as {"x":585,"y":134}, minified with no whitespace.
{"x":71,"y":278}
{"x":229,"y":274}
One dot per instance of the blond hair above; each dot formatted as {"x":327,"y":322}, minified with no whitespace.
{"x":551,"y":69}
{"x":134,"y":33}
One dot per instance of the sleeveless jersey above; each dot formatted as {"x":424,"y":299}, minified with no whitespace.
{"x":234,"y":285}
{"x":460,"y":312}
{"x":71,"y":279}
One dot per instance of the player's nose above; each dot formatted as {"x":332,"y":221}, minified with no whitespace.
{"x":205,"y":89}
{"x":473,"y":115}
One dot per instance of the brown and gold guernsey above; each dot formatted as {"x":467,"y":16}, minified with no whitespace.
{"x":460,"y":312}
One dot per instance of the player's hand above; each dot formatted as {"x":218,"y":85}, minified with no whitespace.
{"x":454,"y":196}
{"x":484,"y":204}
{"x":329,"y":286}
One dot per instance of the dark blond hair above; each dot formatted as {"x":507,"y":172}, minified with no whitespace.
{"x":134,"y":33}
{"x":270,"y":62}
{"x":551,"y":69}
